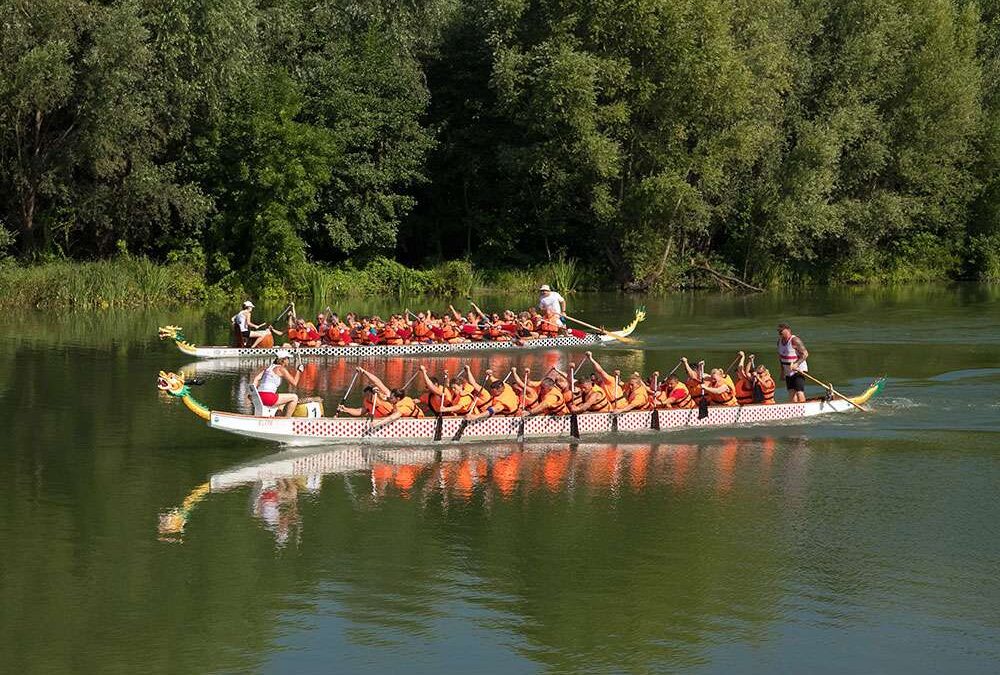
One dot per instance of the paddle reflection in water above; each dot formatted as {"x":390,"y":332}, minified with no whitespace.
{"x":454,"y":476}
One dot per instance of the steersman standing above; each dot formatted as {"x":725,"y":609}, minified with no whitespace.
{"x":792,"y":354}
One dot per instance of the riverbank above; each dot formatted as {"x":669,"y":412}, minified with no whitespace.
{"x":132,"y":282}
{"x":128,"y":282}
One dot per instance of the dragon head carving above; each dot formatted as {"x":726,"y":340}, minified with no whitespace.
{"x":171,"y":333}
{"x":172,"y":383}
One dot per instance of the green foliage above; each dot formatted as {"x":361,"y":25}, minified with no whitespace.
{"x":821,"y":141}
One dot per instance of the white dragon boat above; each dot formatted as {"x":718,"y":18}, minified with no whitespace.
{"x":176,"y":333}
{"x":309,"y":427}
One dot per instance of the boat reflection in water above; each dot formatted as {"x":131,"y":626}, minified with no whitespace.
{"x":457,"y":475}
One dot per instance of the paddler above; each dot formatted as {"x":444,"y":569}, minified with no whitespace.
{"x":610,"y":383}
{"x":792,"y":354}
{"x":592,"y":398}
{"x":550,"y":399}
{"x":677,"y":394}
{"x":503,"y":401}
{"x":461,"y":400}
{"x":744,"y":380}
{"x":435,"y":396}
{"x":269,"y":379}
{"x":720,"y":391}
{"x":763,"y":386}
{"x":636,"y":394}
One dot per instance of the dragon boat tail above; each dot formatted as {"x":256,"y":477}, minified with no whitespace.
{"x":302,"y":431}
{"x":176,"y":333}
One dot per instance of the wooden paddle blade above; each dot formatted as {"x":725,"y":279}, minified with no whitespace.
{"x":702,"y":407}
{"x":654,"y":420}
{"x":614,"y":423}
{"x":438,"y":428}
{"x":574,"y":426}
{"x":461,"y":430}
{"x":520,"y":431}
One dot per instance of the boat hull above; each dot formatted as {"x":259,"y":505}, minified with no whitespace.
{"x":329,"y":430}
{"x":422,"y":349}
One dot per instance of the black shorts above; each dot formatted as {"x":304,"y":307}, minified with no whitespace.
{"x":795,"y":382}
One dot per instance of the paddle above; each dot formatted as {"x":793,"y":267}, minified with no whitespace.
{"x":524,"y":390}
{"x":574,"y":423}
{"x":347,"y":393}
{"x":675,"y":368}
{"x":410,"y":381}
{"x":654,"y":419}
{"x":831,"y":389}
{"x":703,"y":401}
{"x":439,"y":427}
{"x":278,"y":318}
{"x":614,"y":415}
{"x":517,"y":338}
{"x":465,"y":422}
{"x":621,"y":338}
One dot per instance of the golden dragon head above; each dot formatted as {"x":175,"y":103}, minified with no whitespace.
{"x":171,"y":333}
{"x":172,"y":383}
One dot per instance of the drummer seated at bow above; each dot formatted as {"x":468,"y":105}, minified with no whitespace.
{"x":610,"y":383}
{"x":719,"y":391}
{"x":250,"y":334}
{"x":269,"y":379}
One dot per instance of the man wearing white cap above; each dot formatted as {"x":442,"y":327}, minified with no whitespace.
{"x":269,"y":379}
{"x":247,"y":328}
{"x":552,"y":305}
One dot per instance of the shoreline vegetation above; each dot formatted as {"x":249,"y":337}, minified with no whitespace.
{"x":201,"y":150}
{"x":131,"y":282}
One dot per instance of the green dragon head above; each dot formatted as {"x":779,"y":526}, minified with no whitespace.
{"x":171,"y":333}
{"x":173,"y":384}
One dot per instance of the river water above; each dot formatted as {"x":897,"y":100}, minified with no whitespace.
{"x":854,"y":543}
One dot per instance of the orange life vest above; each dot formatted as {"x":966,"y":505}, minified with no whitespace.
{"x":744,"y":391}
{"x":678,"y":401}
{"x":434,"y":402}
{"x":693,"y":387}
{"x":553,"y":402}
{"x":640,"y":395}
{"x":382,"y":407}
{"x":407,"y":407}
{"x":604,"y":405}
{"x":726,"y":398}
{"x":506,"y":402}
{"x":766,"y":385}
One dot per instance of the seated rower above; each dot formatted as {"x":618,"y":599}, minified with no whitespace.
{"x":744,"y":380}
{"x":592,"y":398}
{"x":480,"y":391}
{"x":694,"y":379}
{"x":763,"y":386}
{"x":269,"y":379}
{"x":503,"y":401}
{"x":435,"y":396}
{"x":374,"y":404}
{"x":550,"y":400}
{"x":719,"y":391}
{"x":676,"y":394}
{"x":305,"y":334}
{"x":525,"y":326}
{"x":610,"y":383}
{"x":636,"y":395}
{"x":421,"y":330}
{"x":461,"y":400}
{"x":449,"y":331}
{"x":526,"y":389}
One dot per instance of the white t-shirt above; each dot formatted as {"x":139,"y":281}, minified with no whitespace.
{"x":551,"y":302}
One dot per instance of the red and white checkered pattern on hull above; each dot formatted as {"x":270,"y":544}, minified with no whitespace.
{"x":306,"y":431}
{"x":417,"y":348}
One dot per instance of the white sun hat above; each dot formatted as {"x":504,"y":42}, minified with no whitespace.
{"x":247,"y":303}
{"x":283,"y":354}
{"x":545,"y":287}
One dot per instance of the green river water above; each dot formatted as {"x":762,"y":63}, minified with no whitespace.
{"x":862,"y":543}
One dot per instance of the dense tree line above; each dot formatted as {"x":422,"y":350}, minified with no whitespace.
{"x":848,"y":139}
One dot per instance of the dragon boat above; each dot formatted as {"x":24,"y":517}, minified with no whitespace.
{"x":310,"y":427}
{"x":176,"y":333}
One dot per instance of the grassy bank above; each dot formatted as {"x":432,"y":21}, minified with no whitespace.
{"x":131,"y":282}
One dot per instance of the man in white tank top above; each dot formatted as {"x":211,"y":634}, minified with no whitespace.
{"x":792,"y":354}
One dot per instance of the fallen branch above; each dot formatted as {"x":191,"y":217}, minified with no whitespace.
{"x":726,"y":279}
